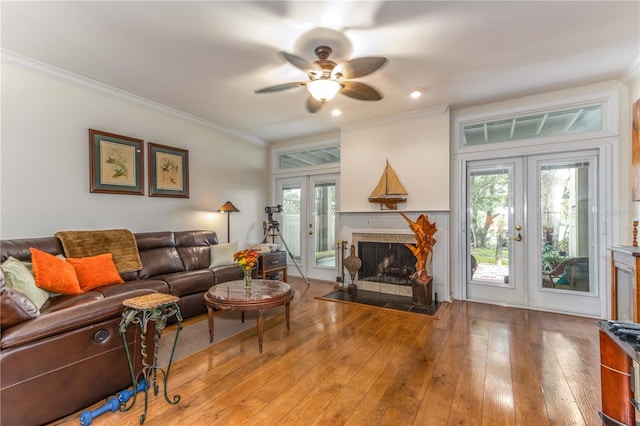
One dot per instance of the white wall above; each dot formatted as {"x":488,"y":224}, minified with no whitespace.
{"x":44,"y":166}
{"x":417,"y":147}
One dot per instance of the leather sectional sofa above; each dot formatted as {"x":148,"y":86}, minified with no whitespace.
{"x":70,"y":355}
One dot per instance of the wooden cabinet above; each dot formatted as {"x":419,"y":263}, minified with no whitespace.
{"x":615,"y":378}
{"x":627,"y":259}
{"x":273,"y":263}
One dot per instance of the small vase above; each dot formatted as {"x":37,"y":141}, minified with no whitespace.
{"x":247,"y":278}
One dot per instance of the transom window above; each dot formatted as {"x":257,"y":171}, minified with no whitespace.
{"x":312,"y":157}
{"x":576,"y":120}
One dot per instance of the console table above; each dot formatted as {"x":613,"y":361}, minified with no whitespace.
{"x":625,"y":258}
{"x":273,"y":263}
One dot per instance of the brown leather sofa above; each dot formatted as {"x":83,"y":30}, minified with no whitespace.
{"x":71,"y":355}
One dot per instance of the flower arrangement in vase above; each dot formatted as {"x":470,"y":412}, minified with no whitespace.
{"x":246,"y":260}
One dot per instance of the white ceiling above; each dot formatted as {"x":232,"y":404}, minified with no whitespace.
{"x":206,"y":58}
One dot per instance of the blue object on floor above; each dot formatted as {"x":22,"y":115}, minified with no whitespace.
{"x":113,"y":404}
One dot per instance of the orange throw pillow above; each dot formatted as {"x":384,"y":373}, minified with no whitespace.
{"x":54,"y":274}
{"x":95,"y":271}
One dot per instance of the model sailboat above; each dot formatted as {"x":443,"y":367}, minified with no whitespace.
{"x":389,"y":191}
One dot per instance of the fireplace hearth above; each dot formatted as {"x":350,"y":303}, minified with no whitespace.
{"x":386,"y":262}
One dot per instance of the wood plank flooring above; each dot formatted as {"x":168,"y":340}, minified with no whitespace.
{"x":346,"y":364}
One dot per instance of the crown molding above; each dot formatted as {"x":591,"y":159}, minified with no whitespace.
{"x":12,"y":58}
{"x":437,"y":110}
{"x":632,"y":72}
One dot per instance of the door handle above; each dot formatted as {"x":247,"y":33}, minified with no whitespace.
{"x":519,"y":236}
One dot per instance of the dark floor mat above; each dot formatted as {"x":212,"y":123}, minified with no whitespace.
{"x":385,"y":301}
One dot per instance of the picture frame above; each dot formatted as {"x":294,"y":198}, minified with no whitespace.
{"x":116,"y":164}
{"x":168,"y":171}
{"x":635,"y":150}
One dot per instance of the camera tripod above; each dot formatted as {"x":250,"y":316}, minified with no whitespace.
{"x":272,"y":229}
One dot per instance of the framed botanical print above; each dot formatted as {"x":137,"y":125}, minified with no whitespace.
{"x":168,"y":171}
{"x":116,"y":163}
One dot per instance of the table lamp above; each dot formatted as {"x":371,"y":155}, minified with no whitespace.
{"x":228,"y":208}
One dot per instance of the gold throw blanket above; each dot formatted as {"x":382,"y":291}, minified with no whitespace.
{"x":119,"y":242}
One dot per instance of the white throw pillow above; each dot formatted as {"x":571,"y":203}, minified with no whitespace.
{"x":222,"y":254}
{"x":20,"y":278}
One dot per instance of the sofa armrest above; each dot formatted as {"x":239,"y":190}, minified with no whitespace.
{"x":66,"y":301}
{"x":64,"y":320}
{"x":227,"y":273}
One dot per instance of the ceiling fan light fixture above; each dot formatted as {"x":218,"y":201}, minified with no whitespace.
{"x":323,"y":90}
{"x":326,"y":78}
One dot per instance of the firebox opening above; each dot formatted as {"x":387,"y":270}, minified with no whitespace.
{"x":386,"y":262}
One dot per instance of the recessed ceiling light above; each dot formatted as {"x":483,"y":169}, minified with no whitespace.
{"x":336,"y":112}
{"x":416,"y":93}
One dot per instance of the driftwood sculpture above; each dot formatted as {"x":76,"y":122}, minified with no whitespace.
{"x":423,"y":252}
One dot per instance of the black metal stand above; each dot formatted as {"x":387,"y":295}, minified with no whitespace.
{"x":274,"y":228}
{"x":157,"y":308}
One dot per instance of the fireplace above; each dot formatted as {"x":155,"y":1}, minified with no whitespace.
{"x":386,"y":262}
{"x":389,"y":227}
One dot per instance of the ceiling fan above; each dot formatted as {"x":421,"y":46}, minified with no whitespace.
{"x":327,"y":78}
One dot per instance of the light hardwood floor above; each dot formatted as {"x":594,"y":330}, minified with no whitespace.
{"x":345,"y":364}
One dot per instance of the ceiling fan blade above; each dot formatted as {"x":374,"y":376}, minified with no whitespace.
{"x":278,"y":87}
{"x":313,"y":105}
{"x":357,"y":90}
{"x":360,"y":67}
{"x":299,"y":62}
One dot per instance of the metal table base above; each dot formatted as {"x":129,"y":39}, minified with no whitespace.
{"x":157,"y":308}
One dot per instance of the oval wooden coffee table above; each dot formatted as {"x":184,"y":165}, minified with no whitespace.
{"x":262,"y":295}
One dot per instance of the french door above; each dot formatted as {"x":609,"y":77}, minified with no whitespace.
{"x":495,"y":211}
{"x":532,"y":232}
{"x":308,"y":223}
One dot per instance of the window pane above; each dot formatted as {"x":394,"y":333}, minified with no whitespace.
{"x":325,"y":224}
{"x":313,"y":157}
{"x":564,"y":208}
{"x":291,"y":209}
{"x":577,"y":120}
{"x":489,"y":201}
